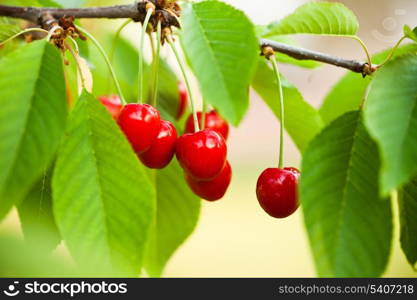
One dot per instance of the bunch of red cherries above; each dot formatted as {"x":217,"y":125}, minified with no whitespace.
{"x":202,"y":154}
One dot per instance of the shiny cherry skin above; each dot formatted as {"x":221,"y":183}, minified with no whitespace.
{"x":213,"y":121}
{"x":183,"y":99}
{"x":202,"y":154}
{"x":141,"y":124}
{"x":214,"y":189}
{"x":162,"y":150}
{"x":113,"y":104}
{"x":277,"y":191}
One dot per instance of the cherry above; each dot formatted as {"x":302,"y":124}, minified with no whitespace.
{"x":213,"y":121}
{"x":214,"y":189}
{"x":141,"y":124}
{"x":183,"y":99}
{"x":160,"y":154}
{"x":202,"y":154}
{"x":277,"y":191}
{"x":113,"y":104}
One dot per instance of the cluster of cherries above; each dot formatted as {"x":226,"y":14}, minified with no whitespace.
{"x":202,"y":154}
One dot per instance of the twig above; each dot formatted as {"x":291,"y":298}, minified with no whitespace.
{"x":33,"y":14}
{"x":305,"y":54}
{"x":137,"y":12}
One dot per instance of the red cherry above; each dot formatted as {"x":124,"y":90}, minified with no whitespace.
{"x":214,"y":189}
{"x":160,"y":154}
{"x":202,"y":154}
{"x":183,"y":99}
{"x":113,"y":104}
{"x":213,"y":121}
{"x":277,"y":191}
{"x":141,"y":124}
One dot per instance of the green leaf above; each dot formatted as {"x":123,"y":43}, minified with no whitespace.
{"x":32,"y":117}
{"x":177,"y":214}
{"x":391,"y":118}
{"x":410,"y":33}
{"x":17,"y":260}
{"x":323,"y":18}
{"x":407,"y":200}
{"x":104,"y":202}
{"x":7,"y":30}
{"x":20,"y":2}
{"x":221,"y":46}
{"x":6,"y":20}
{"x":346,"y":95}
{"x":68,"y":3}
{"x":303,"y":122}
{"x":348,"y":224}
{"x":39,"y":3}
{"x":349,"y":93}
{"x":36,"y":217}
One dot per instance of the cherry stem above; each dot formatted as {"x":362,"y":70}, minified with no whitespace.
{"x":106,"y":59}
{"x":152,"y":43}
{"x":187,"y":83}
{"x":365,"y":48}
{"x":203,"y":115}
{"x":389,"y":57}
{"x":156,"y":59}
{"x":114,"y":43}
{"x":74,"y":42}
{"x":52,"y":31}
{"x":80,"y":72}
{"x":282,"y":116}
{"x":149,"y":13}
{"x":23,"y":32}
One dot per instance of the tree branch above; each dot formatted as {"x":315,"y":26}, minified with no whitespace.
{"x":304,"y":54}
{"x":137,"y":12}
{"x":34,"y":14}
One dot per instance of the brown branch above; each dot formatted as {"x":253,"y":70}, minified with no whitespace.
{"x":305,"y":54}
{"x":34,"y":14}
{"x":137,"y":12}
